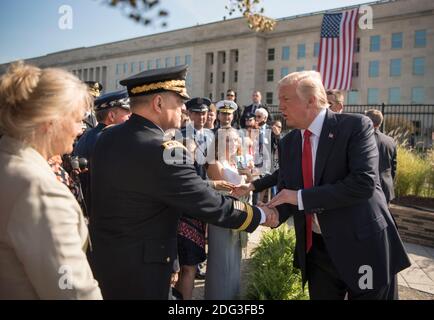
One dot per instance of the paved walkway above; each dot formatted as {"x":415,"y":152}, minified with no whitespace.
{"x":415,"y":283}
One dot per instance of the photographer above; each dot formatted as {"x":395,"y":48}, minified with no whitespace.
{"x":111,"y":109}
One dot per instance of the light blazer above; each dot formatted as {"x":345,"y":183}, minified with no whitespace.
{"x":43,"y":234}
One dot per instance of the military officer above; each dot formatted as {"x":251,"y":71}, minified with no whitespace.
{"x":111,"y":108}
{"x":136,"y":208}
{"x":225,"y":113}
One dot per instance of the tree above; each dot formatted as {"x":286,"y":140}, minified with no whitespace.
{"x":141,"y":11}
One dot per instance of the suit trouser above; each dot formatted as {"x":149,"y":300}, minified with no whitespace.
{"x":325,"y":284}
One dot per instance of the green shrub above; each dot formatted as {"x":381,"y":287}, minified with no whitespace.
{"x":271,"y":274}
{"x":430,"y":180}
{"x":412,"y":173}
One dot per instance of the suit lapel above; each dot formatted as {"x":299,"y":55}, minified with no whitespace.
{"x":325,"y":145}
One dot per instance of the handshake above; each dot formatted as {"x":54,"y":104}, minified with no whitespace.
{"x":271,"y":213}
{"x":284,"y":196}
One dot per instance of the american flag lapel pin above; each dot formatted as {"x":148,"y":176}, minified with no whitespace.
{"x":331,"y":136}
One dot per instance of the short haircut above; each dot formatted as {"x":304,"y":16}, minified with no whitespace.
{"x":262,"y":112}
{"x":308,"y":84}
{"x":376,"y":116}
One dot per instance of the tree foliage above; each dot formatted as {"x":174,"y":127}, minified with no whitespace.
{"x":147,"y":12}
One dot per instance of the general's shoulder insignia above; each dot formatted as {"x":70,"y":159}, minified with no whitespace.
{"x":171,"y":144}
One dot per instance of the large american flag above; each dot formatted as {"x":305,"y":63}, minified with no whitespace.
{"x":335,"y":61}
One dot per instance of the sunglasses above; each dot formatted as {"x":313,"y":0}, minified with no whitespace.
{"x":230,"y":95}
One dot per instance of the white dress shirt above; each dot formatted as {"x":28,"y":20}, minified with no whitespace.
{"x":315,"y":128}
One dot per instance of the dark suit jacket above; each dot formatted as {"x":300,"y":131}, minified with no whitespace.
{"x":249,"y":109}
{"x":137,"y":199}
{"x":355,"y":221}
{"x":387,"y":163}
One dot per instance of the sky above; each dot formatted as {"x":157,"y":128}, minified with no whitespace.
{"x":30,"y":28}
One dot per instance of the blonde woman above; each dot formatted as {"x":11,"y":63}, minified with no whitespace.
{"x":224,"y":245}
{"x":43,"y":236}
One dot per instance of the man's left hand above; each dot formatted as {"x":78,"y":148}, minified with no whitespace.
{"x":284,"y":196}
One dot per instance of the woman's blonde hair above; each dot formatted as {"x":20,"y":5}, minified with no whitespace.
{"x":308,"y":84}
{"x":31,"y":97}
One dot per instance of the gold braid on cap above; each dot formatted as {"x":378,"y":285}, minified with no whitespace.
{"x":95,"y":92}
{"x":172,"y":85}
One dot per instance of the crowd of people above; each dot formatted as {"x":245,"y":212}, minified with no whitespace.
{"x":159,"y":202}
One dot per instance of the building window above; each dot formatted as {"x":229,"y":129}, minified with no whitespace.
{"x":125,"y":67}
{"x":211,"y":77}
{"x":374,"y":67}
{"x":373,"y":96}
{"x":223,"y":57}
{"x":314,"y":67}
{"x":420,"y":39}
{"x":353,"y":97}
{"x":188,"y":59}
{"x":167,"y":62}
{"x":222,"y":96}
{"x":271,"y":53}
{"x":150,"y":65}
{"x":419,"y":66}
{"x":236,"y":55}
{"x":177,"y":61}
{"x":284,"y":71}
{"x":357,"y":45}
{"x":285,"y":53}
{"x":397,"y":40}
{"x":301,"y":51}
{"x":300,"y":69}
{"x":375,"y":44}
{"x":269,"y":98}
{"x":158,"y":63}
{"x":133,"y":67}
{"x":316,"y":49}
{"x":141,"y":66}
{"x":118,"y":69}
{"x":210,"y":96}
{"x":223,"y":76}
{"x":236,"y":76}
{"x":394,"y":95}
{"x":355,"y":70}
{"x":417,"y":95}
{"x":270,"y":75}
{"x":395,"y":67}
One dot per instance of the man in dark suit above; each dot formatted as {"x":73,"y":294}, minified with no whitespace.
{"x":347,"y":242}
{"x":387,"y":159}
{"x":251,"y":109}
{"x":142,"y":183}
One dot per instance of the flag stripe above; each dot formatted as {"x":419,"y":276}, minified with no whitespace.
{"x":353,"y":34}
{"x":346,"y":38}
{"x":342,"y":52}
